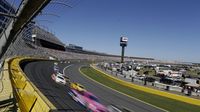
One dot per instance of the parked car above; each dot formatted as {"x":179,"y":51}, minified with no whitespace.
{"x":140,"y":77}
{"x":150,"y":79}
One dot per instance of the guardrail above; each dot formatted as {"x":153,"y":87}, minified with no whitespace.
{"x":28,"y":97}
{"x":152,"y":91}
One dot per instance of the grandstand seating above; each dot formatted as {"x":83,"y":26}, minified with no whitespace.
{"x":25,"y":47}
{"x":46,"y":39}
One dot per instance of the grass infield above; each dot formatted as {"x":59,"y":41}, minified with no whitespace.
{"x":159,"y":101}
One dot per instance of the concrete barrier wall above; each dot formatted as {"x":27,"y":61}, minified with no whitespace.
{"x":152,"y":91}
{"x":6,"y":91}
{"x":29,"y":98}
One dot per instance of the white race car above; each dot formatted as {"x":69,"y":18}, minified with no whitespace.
{"x":62,"y":75}
{"x":59,"y":79}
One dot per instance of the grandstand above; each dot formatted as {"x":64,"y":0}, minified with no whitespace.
{"x":46,"y":39}
{"x":47,"y":45}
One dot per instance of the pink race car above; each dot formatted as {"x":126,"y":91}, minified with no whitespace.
{"x":88,"y":100}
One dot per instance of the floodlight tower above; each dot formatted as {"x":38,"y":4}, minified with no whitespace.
{"x":123,"y":44}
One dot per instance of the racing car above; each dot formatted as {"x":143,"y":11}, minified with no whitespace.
{"x":59,"y":79}
{"x":77,"y":86}
{"x":88,"y":100}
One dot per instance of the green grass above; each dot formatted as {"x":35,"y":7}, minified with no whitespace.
{"x":162,"y":102}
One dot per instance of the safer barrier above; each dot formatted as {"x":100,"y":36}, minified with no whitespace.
{"x":152,"y":91}
{"x":29,"y":98}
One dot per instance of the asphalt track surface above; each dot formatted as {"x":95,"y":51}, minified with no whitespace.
{"x":40,"y":74}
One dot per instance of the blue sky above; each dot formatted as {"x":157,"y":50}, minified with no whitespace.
{"x":161,"y":29}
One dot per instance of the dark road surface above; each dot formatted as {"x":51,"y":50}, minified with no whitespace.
{"x":40,"y":74}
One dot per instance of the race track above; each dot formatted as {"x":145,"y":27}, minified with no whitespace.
{"x":40,"y":74}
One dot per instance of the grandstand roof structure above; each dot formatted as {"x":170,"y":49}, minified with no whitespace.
{"x":45,"y":35}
